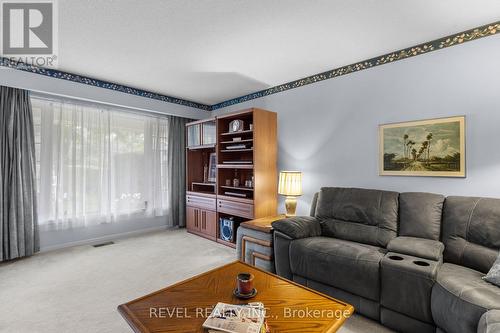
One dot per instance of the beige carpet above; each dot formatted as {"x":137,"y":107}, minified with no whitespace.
{"x":78,"y":289}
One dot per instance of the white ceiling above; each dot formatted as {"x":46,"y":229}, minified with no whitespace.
{"x":213,"y":50}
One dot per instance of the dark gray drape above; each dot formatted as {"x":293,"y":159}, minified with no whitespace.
{"x":177,"y":170}
{"x":18,"y":209}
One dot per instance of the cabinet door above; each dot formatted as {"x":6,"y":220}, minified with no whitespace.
{"x":208,"y":133}
{"x":209,"y":223}
{"x":192,"y":218}
{"x":194,"y":135}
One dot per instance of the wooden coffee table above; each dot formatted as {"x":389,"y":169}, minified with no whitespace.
{"x":183,"y":307}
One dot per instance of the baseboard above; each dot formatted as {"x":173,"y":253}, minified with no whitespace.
{"x":106,"y":238}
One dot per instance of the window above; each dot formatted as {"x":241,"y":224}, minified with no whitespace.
{"x":98,"y":164}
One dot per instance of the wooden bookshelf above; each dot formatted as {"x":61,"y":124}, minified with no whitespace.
{"x":201,"y":210}
{"x":236,"y":201}
{"x":261,"y":148}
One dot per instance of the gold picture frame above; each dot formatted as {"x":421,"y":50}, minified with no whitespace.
{"x":432,"y":148}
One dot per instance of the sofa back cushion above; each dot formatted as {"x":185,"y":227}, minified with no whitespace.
{"x":360,"y":215}
{"x":420,"y":215}
{"x":312,"y":210}
{"x":471,"y":231}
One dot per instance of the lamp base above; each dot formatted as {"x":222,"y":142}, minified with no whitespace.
{"x":291,"y":206}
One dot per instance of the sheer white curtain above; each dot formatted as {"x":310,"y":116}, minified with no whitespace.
{"x":98,"y":164}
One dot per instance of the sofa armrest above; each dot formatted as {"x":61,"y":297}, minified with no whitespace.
{"x":418,"y":247}
{"x":489,"y":322}
{"x":298,"y":227}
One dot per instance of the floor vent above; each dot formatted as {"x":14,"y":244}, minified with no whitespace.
{"x":103,"y":244}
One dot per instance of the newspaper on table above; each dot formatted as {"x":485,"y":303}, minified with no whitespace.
{"x":248,"y":318}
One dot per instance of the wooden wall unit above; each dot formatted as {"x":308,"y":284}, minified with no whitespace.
{"x":207,"y":203}
{"x":201,"y":211}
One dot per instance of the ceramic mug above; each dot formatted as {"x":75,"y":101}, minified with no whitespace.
{"x":245,"y":283}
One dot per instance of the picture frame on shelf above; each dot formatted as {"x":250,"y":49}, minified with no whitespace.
{"x":236,"y":125}
{"x":212,"y":168}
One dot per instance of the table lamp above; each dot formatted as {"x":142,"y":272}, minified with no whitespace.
{"x":290,"y":185}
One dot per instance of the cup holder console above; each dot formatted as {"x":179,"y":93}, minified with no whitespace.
{"x":416,"y":262}
{"x":421,"y":263}
{"x":400,"y":270}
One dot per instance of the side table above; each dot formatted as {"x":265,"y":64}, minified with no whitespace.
{"x":254,"y":242}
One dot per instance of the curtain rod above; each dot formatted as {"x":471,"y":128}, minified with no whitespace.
{"x":75,"y":100}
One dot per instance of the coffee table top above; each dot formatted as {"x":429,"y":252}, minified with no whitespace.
{"x":183,"y":307}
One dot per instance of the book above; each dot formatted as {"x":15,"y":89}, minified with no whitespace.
{"x":235,"y":194}
{"x":237,"y":162}
{"x":240,"y":146}
{"x":230,"y":318}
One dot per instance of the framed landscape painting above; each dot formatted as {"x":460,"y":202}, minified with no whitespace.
{"x":434,"y":147}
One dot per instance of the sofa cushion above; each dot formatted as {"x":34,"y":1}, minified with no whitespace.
{"x":363,"y":306}
{"x":350,"y":266}
{"x":420,"y":214}
{"x":493,"y":275}
{"x":470,"y":231}
{"x":418,"y":247}
{"x":312,"y":210}
{"x":460,"y":297}
{"x":361,"y":215}
{"x":489,"y":322}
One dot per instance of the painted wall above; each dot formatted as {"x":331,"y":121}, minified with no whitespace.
{"x":329,"y":130}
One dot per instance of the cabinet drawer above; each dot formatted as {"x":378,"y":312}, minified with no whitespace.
{"x":235,"y":208}
{"x":201,"y":202}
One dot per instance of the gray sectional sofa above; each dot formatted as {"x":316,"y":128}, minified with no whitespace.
{"x":413,"y":261}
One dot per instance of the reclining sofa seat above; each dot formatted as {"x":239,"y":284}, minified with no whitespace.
{"x":409,"y":270}
{"x":338,"y":250}
{"x":471,"y":234}
{"x":335,"y":250}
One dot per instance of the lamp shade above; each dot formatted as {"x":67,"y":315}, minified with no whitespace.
{"x":290,"y":183}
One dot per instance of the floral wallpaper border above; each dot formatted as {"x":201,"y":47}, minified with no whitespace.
{"x":99,"y":83}
{"x":456,"y":39}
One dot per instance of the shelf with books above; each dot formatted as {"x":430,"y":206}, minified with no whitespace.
{"x":235,"y":166}
{"x":236,"y":150}
{"x":248,"y":131}
{"x":240,"y":188}
{"x":236,"y":194}
{"x":237,"y":141}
